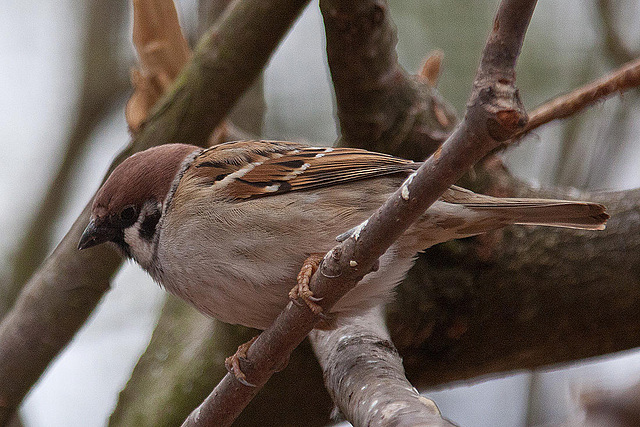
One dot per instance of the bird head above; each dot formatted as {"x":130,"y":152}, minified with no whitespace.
{"x":128,"y":206}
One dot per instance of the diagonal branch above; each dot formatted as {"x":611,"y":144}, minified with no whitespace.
{"x":362,"y":115}
{"x":494,"y":114}
{"x":102,"y":85}
{"x":624,"y":78}
{"x":63,"y":292}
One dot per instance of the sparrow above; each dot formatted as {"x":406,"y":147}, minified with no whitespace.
{"x":228,"y":228}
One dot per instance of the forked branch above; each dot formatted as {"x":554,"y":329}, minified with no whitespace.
{"x":494,"y":114}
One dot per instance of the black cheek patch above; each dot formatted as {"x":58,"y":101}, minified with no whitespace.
{"x":148,"y":226}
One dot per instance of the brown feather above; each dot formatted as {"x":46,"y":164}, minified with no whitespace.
{"x":558,"y":213}
{"x":144,"y":176}
{"x":244,"y":170}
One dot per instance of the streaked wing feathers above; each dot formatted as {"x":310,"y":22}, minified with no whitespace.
{"x":247,"y":169}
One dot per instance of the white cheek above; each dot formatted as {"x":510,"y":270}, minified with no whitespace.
{"x":142,"y":250}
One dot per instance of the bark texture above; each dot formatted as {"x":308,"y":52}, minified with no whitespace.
{"x":521,"y":297}
{"x":364,"y":373}
{"x":380,"y":107}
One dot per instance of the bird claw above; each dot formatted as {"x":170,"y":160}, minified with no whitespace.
{"x":244,"y":382}
{"x":232,"y":363}
{"x":314,"y":299}
{"x":301,"y":289}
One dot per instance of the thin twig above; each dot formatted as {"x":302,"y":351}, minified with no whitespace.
{"x":494,"y":114}
{"x":625,"y":78}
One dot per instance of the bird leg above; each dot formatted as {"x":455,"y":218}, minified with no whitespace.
{"x":232,"y":363}
{"x":301,"y":289}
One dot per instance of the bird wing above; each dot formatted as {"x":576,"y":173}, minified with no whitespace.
{"x":249,"y":169}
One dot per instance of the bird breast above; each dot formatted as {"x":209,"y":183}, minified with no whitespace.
{"x":237,"y":260}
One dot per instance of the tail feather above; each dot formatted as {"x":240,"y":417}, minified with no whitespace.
{"x":556,"y":213}
{"x":581,"y":215}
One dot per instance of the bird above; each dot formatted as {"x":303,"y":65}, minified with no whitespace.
{"x":228,"y":228}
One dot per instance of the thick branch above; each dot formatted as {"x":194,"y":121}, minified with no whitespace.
{"x":380,"y":107}
{"x":618,"y":81}
{"x":494,"y":114}
{"x":101,"y":86}
{"x":361,"y":364}
{"x":60,"y":296}
{"x":540,"y":296}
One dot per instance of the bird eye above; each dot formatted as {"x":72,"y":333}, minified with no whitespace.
{"x":128,"y":216}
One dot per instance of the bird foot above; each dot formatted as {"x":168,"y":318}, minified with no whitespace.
{"x":301,"y":289}
{"x":232,"y":363}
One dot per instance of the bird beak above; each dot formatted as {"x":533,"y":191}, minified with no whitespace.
{"x":95,"y":234}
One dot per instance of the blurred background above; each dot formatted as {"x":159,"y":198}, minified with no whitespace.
{"x":64,"y":84}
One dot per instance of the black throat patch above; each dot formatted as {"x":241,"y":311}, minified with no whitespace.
{"x":122,"y":245}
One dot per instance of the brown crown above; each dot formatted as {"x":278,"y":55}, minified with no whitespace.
{"x":146,"y":175}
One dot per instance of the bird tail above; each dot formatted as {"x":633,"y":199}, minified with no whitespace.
{"x":556,"y":213}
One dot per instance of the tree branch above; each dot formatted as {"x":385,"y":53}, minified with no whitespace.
{"x":350,"y":79}
{"x":624,"y":78}
{"x":413,"y":125}
{"x":380,"y":107}
{"x":540,"y":296}
{"x":101,"y":86}
{"x":494,"y":114}
{"x":364,"y":374}
{"x":61,"y":295}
